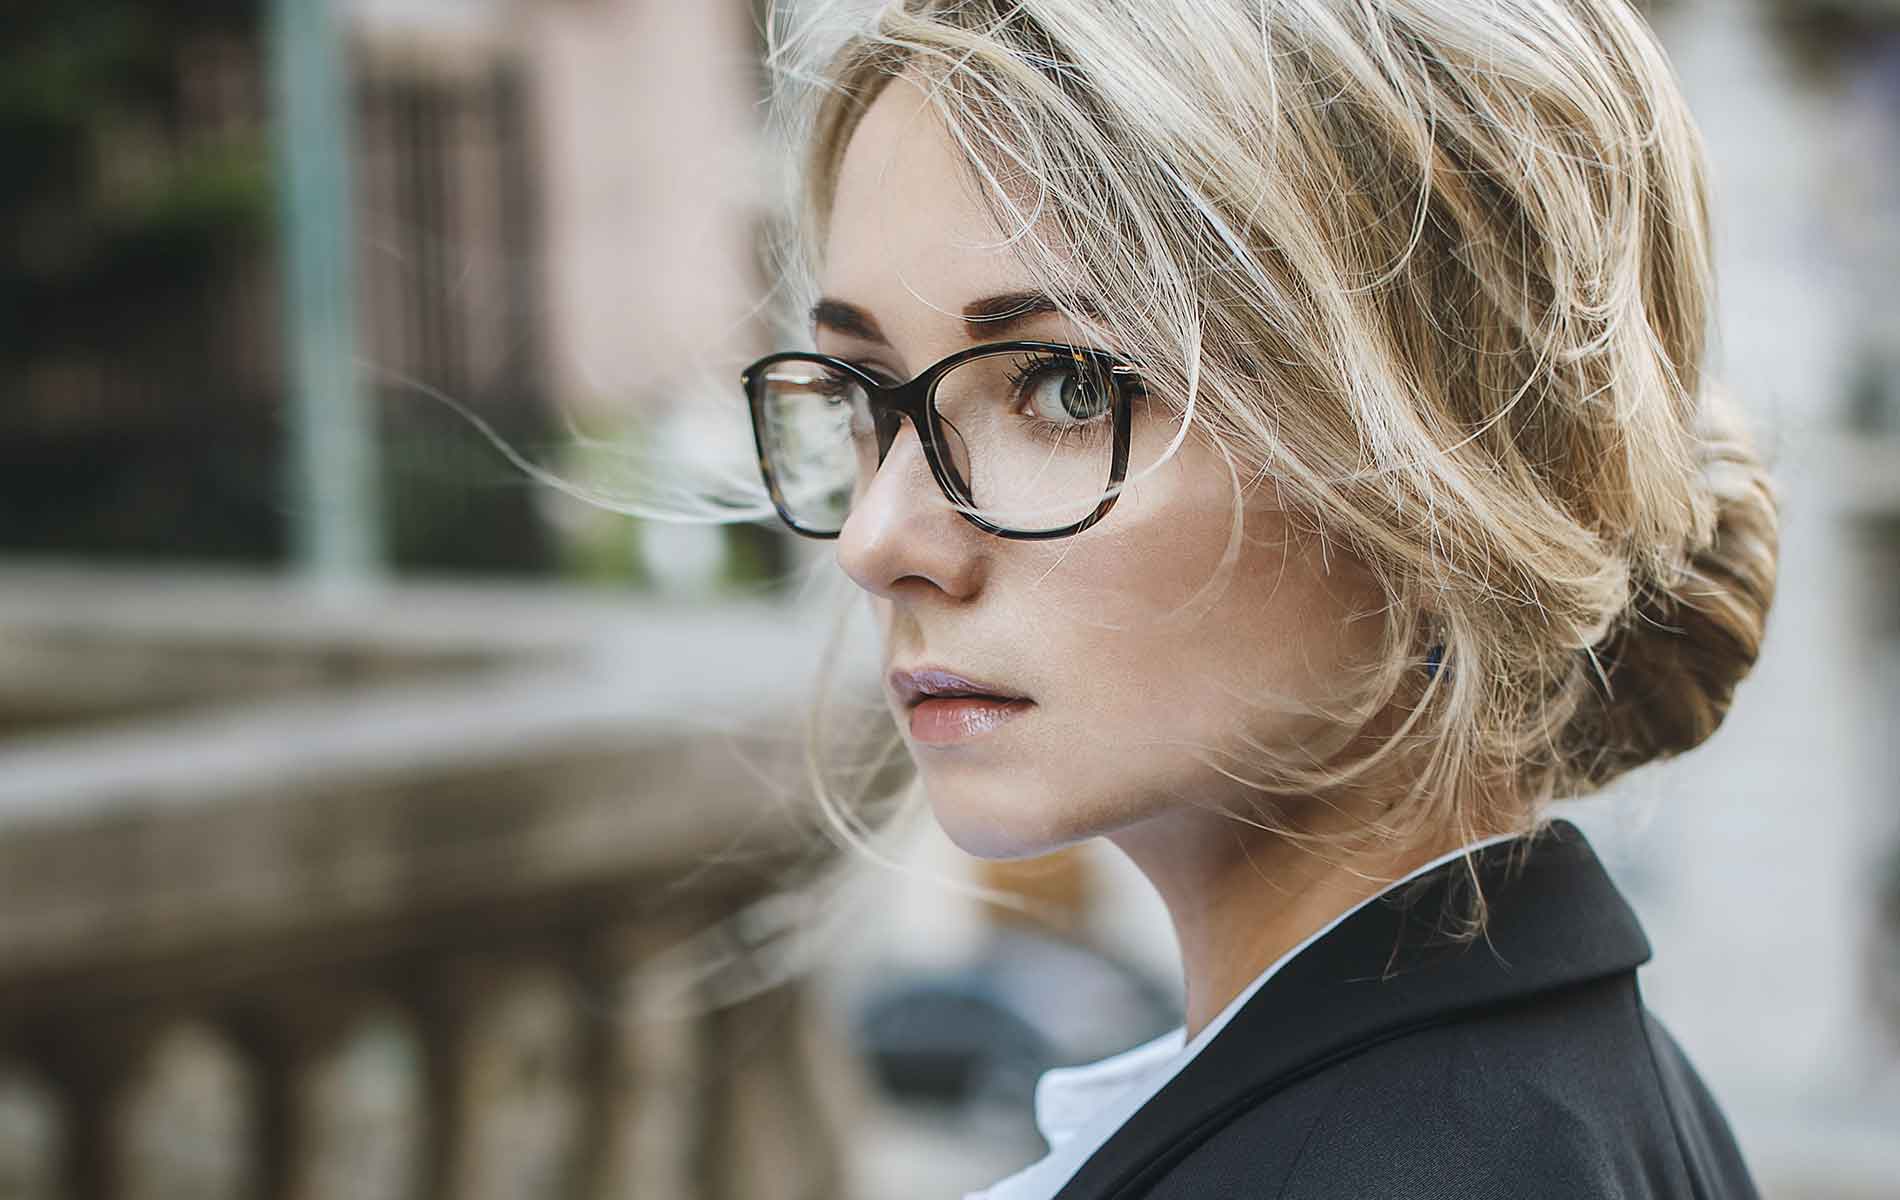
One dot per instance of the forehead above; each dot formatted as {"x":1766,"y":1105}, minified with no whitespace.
{"x":908,"y":236}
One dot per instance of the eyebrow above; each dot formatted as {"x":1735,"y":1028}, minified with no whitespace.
{"x":985,"y":318}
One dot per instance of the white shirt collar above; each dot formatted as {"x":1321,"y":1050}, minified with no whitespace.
{"x":1066,"y":1097}
{"x":1078,"y":1107}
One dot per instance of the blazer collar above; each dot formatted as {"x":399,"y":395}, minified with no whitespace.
{"x":1556,"y":919}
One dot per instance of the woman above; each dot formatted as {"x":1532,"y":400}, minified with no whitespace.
{"x":1272,"y":435}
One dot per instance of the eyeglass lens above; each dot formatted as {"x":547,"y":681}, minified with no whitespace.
{"x":1027,"y":435}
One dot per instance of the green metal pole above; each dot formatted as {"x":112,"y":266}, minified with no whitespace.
{"x":335,"y":500}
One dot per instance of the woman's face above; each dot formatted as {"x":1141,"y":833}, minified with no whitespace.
{"x":1123,"y":707}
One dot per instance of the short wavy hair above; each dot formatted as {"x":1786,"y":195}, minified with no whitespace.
{"x":1438,"y":273}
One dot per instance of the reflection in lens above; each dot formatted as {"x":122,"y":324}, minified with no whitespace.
{"x":1028,"y":436}
{"x":816,"y":423}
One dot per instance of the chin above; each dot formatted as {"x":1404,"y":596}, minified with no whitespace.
{"x":994,"y":826}
{"x":1005,"y":823}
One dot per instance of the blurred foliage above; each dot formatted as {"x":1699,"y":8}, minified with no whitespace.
{"x":605,"y":550}
{"x":451,"y":503}
{"x":758,"y":556}
{"x":136,"y":192}
{"x":600,"y":545}
{"x":143,"y":401}
{"x":112,"y":204}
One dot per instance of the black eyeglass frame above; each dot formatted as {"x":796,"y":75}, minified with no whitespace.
{"x":889,"y":403}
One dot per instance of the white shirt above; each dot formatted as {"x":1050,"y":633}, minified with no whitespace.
{"x":1079,"y":1107}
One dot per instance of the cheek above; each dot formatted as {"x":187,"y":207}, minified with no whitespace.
{"x":1305,"y":619}
{"x":1265,"y":653}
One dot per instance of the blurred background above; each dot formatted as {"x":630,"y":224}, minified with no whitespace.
{"x":378,"y":821}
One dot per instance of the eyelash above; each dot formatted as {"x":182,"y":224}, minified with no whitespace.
{"x":1026,"y":368}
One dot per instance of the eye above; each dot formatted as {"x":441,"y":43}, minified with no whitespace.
{"x":1059,"y":392}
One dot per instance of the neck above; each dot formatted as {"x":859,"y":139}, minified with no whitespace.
{"x":1240,"y":897}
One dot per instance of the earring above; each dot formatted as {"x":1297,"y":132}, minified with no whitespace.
{"x":1433,"y":658}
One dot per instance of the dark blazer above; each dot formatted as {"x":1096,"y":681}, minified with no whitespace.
{"x":1524,"y":1066}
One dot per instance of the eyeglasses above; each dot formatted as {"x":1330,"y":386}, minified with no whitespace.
{"x":1026,"y":439}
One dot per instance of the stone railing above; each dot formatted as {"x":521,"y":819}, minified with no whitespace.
{"x":405,"y":896}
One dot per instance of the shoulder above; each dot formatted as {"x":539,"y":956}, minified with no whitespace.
{"x":1559,"y":1098}
{"x":1702,"y":1129}
{"x":1554,"y":1099}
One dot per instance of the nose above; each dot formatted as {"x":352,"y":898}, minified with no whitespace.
{"x":900,"y":527}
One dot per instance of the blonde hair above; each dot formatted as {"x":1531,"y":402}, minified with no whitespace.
{"x":1438,"y":272}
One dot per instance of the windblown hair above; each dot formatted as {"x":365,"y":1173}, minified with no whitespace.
{"x":1438,"y":273}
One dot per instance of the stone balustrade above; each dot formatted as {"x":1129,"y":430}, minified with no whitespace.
{"x":433,"y":892}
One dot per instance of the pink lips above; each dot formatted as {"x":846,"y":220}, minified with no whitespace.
{"x":946,"y":707}
{"x":952,"y":719}
{"x":923,"y":683}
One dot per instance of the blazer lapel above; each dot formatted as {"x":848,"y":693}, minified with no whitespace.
{"x":1556,"y":919}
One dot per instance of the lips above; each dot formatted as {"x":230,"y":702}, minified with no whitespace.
{"x":918,"y":684}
